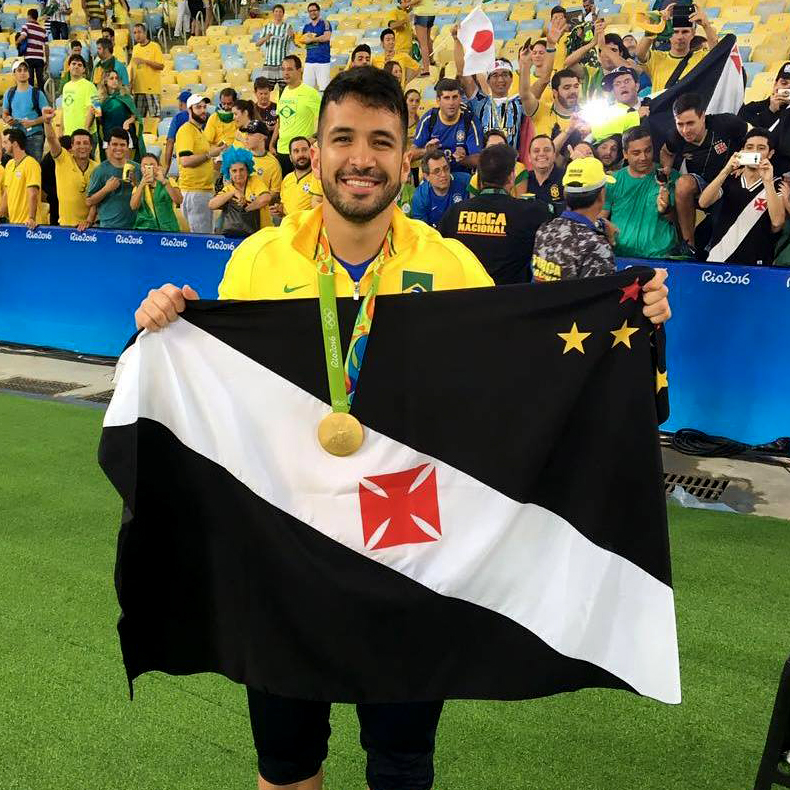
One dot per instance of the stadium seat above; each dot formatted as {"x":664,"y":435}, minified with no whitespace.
{"x":737,"y":27}
{"x":752,"y":70}
{"x":531,"y":25}
{"x":186,"y":78}
{"x":522,"y":12}
{"x":163,"y":127}
{"x":746,"y":53}
{"x":505,"y":30}
{"x":237,"y":76}
{"x":765,"y":10}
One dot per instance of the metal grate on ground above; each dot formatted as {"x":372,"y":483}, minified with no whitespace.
{"x":100,"y":397}
{"x":708,"y":489}
{"x":37,"y":387}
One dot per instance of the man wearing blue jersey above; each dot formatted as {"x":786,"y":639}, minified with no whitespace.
{"x":451,"y":128}
{"x":439,"y":190}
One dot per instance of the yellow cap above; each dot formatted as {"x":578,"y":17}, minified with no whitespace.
{"x":585,"y":175}
{"x":649,"y":21}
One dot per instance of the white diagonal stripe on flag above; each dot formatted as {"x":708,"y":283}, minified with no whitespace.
{"x":520,"y":560}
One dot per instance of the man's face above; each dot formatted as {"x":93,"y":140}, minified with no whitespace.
{"x":300,"y":155}
{"x":6,"y":143}
{"x":625,"y":89}
{"x":362,"y":58}
{"x":629,"y":42}
{"x":360,"y":159}
{"x":581,"y":151}
{"x":450,"y":104}
{"x":238,"y":174}
{"x":561,"y":19}
{"x":413,"y":103}
{"x":102,"y":52}
{"x":680,"y":41}
{"x":290,"y":72}
{"x":81,"y":147}
{"x":639,"y":155}
{"x":226,"y":103}
{"x":439,"y":174}
{"x":388,"y":42}
{"x":500,"y":82}
{"x":278,"y":15}
{"x":607,"y":152}
{"x":782,"y":84}
{"x":690,"y":126}
{"x":199,"y":112}
{"x":542,"y":153}
{"x":76,"y":70}
{"x":607,"y":53}
{"x":758,"y":145}
{"x":262,"y":96}
{"x":313,"y":12}
{"x":117,"y":150}
{"x":538,"y":55}
{"x":139,"y":35}
{"x":495,"y":139}
{"x":22,"y":75}
{"x":567,"y":94}
{"x":588,"y":6}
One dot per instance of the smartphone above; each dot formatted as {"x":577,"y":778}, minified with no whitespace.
{"x":148,"y":170}
{"x":681,"y":14}
{"x":662,"y":177}
{"x":749,"y":159}
{"x":128,"y":169}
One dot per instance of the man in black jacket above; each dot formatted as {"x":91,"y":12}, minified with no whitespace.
{"x":497,"y":228}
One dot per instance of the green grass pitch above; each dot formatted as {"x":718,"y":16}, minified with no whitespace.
{"x":67,"y":722}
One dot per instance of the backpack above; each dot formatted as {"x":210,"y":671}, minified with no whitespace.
{"x":36,"y":100}
{"x":21,"y":46}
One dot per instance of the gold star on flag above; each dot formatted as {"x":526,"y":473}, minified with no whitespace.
{"x":662,"y":380}
{"x":623,"y":334}
{"x":573,"y":339}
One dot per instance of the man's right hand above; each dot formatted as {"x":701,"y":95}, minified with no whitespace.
{"x":217,"y":149}
{"x":48,"y":114}
{"x":112,"y":184}
{"x":162,"y":306}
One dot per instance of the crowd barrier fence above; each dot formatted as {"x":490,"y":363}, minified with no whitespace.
{"x":728,"y":344}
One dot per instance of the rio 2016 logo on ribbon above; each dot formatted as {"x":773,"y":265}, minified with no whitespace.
{"x":726,"y":277}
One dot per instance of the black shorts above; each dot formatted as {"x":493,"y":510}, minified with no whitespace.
{"x":291,"y":738}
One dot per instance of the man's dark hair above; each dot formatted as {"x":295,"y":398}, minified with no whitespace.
{"x":371,"y":87}
{"x":758,"y":131}
{"x":278,"y":5}
{"x":558,"y":9}
{"x":261,"y":83}
{"x":386,"y":32}
{"x":496,"y":165}
{"x":229,"y":92}
{"x":494,"y":133}
{"x":561,"y":75}
{"x":433,"y":155}
{"x":447,"y":85}
{"x":77,"y":59}
{"x":78,"y":133}
{"x":360,"y":48}
{"x":33,"y":14}
{"x":16,"y":135}
{"x":577,"y":200}
{"x":297,"y":61}
{"x":108,"y":32}
{"x":689,"y":101}
{"x":614,"y":38}
{"x":541,"y":137}
{"x":105,"y":42}
{"x":635,"y":133}
{"x":74,"y":43}
{"x":310,"y":5}
{"x":119,"y":134}
{"x":297,"y":139}
{"x":697,"y":42}
{"x":143,"y":28}
{"x":65,"y":142}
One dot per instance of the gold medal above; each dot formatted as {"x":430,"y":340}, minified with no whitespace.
{"x":340,"y":433}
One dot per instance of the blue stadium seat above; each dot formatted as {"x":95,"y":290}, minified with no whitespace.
{"x":155,"y":149}
{"x":609,"y":8}
{"x":713,"y":13}
{"x":738,"y":28}
{"x":505,"y":30}
{"x":196,"y":87}
{"x":185,"y":63}
{"x":531,"y":24}
{"x":163,"y":127}
{"x":752,"y":69}
{"x":497,"y":16}
{"x":764,"y":10}
{"x":445,"y":19}
{"x":135,"y":4}
{"x":7,"y":21}
{"x":746,"y":53}
{"x":228,"y":50}
{"x":231,"y":22}
{"x":237,"y":62}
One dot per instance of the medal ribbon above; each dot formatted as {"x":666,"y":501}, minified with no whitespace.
{"x":342,"y":375}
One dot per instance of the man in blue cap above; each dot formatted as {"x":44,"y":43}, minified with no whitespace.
{"x":179,"y":119}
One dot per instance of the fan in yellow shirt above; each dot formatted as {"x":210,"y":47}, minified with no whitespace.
{"x":147,"y":66}
{"x":401,"y":24}
{"x":221,"y":127}
{"x":409,"y":66}
{"x":21,"y":198}
{"x":266,"y":165}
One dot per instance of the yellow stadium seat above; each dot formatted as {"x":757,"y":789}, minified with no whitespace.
{"x":244,"y":91}
{"x":150,"y":124}
{"x":211,"y":77}
{"x":255,"y":59}
{"x":235,"y":76}
{"x":178,"y":50}
{"x":168,"y":77}
{"x":250,"y":25}
{"x":450,"y":71}
{"x":217,"y":31}
{"x":777,"y":22}
{"x":348,"y":23}
{"x":522,"y":12}
{"x":189,"y":77}
{"x":343,"y":43}
{"x":198,"y":42}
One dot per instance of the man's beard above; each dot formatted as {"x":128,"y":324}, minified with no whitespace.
{"x":355,"y":213}
{"x":567,"y":104}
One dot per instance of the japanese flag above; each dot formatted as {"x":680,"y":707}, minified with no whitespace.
{"x":476,"y":34}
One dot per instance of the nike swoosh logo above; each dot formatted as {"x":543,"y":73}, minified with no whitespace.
{"x":288,"y":289}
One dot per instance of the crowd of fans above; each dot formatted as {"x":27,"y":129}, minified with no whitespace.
{"x":554,"y":151}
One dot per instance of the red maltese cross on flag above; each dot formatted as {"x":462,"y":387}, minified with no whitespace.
{"x":400,"y":508}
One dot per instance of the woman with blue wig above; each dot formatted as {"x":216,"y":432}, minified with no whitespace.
{"x":243,"y":194}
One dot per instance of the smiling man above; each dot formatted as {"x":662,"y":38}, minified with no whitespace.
{"x":362,"y":244}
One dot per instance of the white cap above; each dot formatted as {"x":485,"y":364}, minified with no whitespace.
{"x":194,"y":99}
{"x":17,"y":63}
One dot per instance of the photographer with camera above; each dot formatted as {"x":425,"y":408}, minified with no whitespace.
{"x":641,"y":202}
{"x":767,"y":113}
{"x":751,"y":210}
{"x":154,"y":199}
{"x":666,"y":68}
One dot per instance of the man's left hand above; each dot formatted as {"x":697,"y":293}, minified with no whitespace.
{"x":459,"y":154}
{"x":83,"y":226}
{"x":655,"y":296}
{"x":766,"y":171}
{"x":31,"y":224}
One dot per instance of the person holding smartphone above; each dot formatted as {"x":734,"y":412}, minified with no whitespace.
{"x":751,"y":212}
{"x":768,"y":112}
{"x":154,"y":199}
{"x":110,"y":187}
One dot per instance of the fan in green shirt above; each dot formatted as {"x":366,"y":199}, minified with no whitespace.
{"x":638,"y":205}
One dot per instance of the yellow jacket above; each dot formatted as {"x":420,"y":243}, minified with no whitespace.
{"x":279,"y":263}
